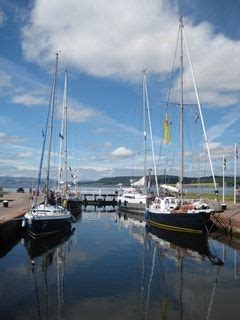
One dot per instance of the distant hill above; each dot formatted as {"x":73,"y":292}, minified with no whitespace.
{"x":15,"y":182}
{"x":25,"y":182}
{"x":125,"y":180}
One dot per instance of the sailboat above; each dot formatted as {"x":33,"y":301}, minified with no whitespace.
{"x":174,"y":212}
{"x":134,"y":199}
{"x":69,"y":198}
{"x":47,"y":218}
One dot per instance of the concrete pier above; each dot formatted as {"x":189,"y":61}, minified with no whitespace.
{"x":229,"y":219}
{"x":18,"y":204}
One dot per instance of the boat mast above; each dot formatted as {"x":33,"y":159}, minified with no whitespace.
{"x":144,"y":132}
{"x":51,"y":128}
{"x":150,"y":130}
{"x":181,"y":111}
{"x":44,"y":133}
{"x":65,"y":126}
{"x":61,"y":136}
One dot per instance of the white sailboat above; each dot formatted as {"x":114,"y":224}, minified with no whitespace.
{"x":47,"y":218}
{"x":135,"y":198}
{"x":69,"y":198}
{"x":175,"y":213}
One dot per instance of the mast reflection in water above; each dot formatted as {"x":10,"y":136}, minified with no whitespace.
{"x":112,"y":267}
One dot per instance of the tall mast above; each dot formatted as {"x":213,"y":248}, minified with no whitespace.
{"x":150,"y":130}
{"x":61,"y":136}
{"x":65,"y":126}
{"x":53,"y":95}
{"x":144,"y":131}
{"x":181,"y":111}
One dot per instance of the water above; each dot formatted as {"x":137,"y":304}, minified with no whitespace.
{"x":111,"y":268}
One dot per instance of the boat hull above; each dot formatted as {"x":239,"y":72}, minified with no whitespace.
{"x":74,"y":206}
{"x":134,"y":208}
{"x":195,"y":223}
{"x":44,"y":226}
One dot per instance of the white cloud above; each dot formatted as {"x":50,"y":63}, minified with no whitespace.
{"x":81,"y":114}
{"x":100,"y":130}
{"x":122,"y":152}
{"x":25,"y":155}
{"x":28,"y":100}
{"x":4,"y":138}
{"x":93,"y":39}
{"x":224,"y":123}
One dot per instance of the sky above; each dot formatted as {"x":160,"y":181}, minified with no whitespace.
{"x":105,"y":45}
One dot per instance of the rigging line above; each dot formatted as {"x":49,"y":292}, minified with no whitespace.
{"x":53,"y":96}
{"x":143,"y":277}
{"x":150,"y":282}
{"x":170,"y":87}
{"x":213,"y":294}
{"x":36,"y":292}
{"x":173,"y":67}
{"x":150,"y":129}
{"x":200,"y":113}
{"x":43,"y":147}
{"x":169,"y":93}
{"x":177,"y":103}
{"x":61,"y":136}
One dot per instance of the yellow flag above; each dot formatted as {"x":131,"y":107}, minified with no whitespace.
{"x":166,"y":130}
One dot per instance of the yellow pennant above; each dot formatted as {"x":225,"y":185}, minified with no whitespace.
{"x":166,"y":130}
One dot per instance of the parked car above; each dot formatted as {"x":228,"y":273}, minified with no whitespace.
{"x":20,"y":189}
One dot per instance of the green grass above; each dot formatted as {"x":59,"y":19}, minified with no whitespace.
{"x":212,"y":196}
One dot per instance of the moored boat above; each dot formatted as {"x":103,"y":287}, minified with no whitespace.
{"x":177,"y":213}
{"x":47,"y":217}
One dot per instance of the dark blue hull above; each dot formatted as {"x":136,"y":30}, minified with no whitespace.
{"x":194,"y":242}
{"x":180,"y":222}
{"x":74,"y":206}
{"x":40,"y":246}
{"x":44,"y":227}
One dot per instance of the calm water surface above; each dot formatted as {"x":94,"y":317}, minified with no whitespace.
{"x":111,"y":268}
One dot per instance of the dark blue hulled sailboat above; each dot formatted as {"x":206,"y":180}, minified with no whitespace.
{"x":175,"y":213}
{"x":48,"y":217}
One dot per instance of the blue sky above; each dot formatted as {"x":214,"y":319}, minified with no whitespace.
{"x":105,"y":45}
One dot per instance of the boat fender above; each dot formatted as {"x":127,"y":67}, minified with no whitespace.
{"x":23,"y":223}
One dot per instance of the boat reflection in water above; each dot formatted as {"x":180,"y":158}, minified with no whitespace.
{"x":10,"y":235}
{"x":47,"y":257}
{"x":42,"y":246}
{"x":197,"y":243}
{"x":134,"y":222}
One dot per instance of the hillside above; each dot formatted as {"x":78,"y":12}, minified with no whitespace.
{"x":25,"y":182}
{"x":125,"y":180}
